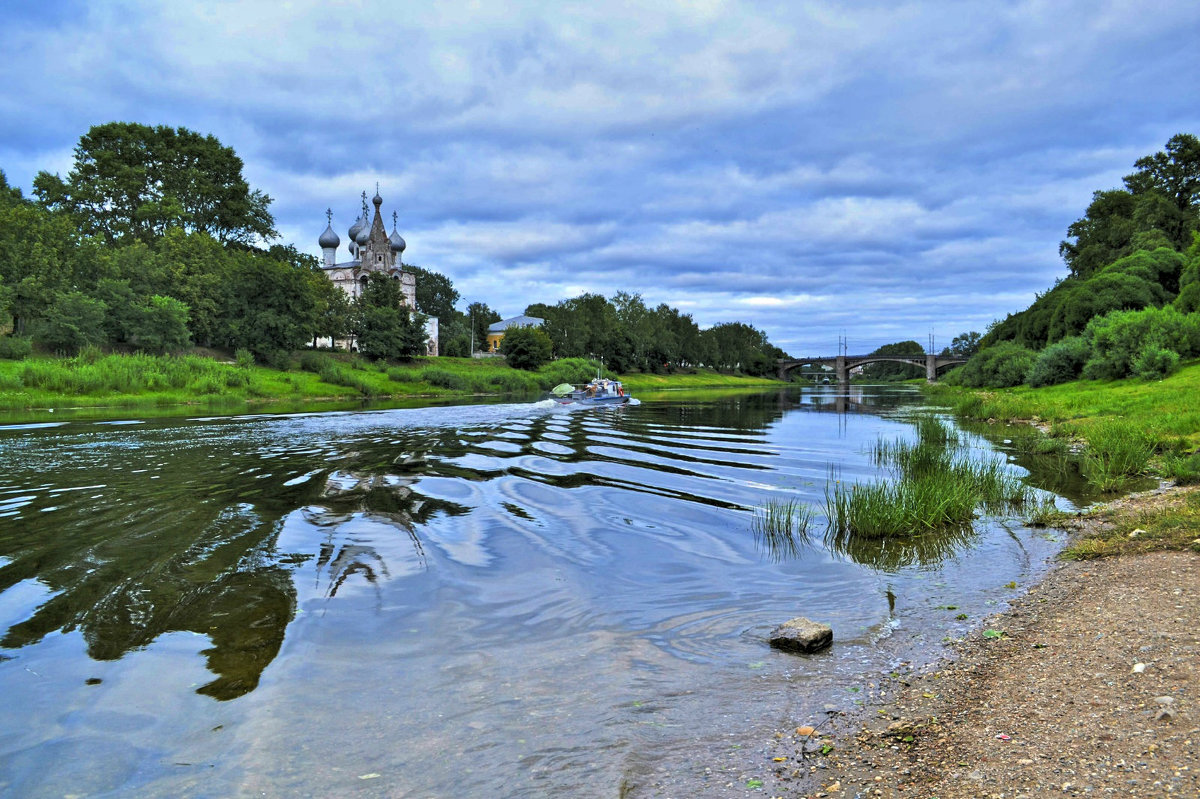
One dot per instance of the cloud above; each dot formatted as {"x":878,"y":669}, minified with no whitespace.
{"x":797,"y":166}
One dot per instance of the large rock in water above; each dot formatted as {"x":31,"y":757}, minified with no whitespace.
{"x":802,"y":635}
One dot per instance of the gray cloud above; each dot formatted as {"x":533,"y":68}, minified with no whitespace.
{"x":798,"y":166}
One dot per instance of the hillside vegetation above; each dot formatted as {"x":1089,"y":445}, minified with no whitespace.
{"x":1129,"y":306}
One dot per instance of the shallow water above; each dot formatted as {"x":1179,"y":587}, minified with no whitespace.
{"x":491,"y":600}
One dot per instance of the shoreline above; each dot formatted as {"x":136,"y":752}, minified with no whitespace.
{"x":1090,"y":686}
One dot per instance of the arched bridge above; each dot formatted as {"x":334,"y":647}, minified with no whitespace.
{"x":842,"y":364}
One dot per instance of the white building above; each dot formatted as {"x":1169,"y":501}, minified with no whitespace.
{"x":371,"y":250}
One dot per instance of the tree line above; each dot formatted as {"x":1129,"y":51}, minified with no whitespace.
{"x":155,"y":241}
{"x":1128,"y":306}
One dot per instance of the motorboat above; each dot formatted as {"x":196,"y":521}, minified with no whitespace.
{"x":600,"y":391}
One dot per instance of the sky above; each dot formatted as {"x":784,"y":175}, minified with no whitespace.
{"x":873,"y":171}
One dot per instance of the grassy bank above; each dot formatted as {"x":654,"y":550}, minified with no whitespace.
{"x":145,"y":384}
{"x":1124,"y":429}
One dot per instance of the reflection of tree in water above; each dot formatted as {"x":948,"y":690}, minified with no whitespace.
{"x":381,"y":497}
{"x":196,"y":551}
{"x":123,"y":592}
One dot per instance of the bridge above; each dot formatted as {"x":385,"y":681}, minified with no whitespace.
{"x":842,"y":364}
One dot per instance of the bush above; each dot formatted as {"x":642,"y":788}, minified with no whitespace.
{"x":314,"y":361}
{"x":1061,"y":362}
{"x":445,"y":379}
{"x":1188,"y":300}
{"x":526,"y":347}
{"x":244,"y":358}
{"x":162,"y":325}
{"x":999,"y":366}
{"x":15,"y":348}
{"x":1155,"y":363}
{"x":1118,"y":339}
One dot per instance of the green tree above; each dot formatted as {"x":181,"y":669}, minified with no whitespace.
{"x":162,"y":326}
{"x":385,"y":326}
{"x":132,"y":181}
{"x":480,"y":316}
{"x":964,"y":345}
{"x":72,"y":321}
{"x":895,"y":371}
{"x":1160,"y":205}
{"x":436,"y":295}
{"x":525,"y":347}
{"x":272,"y":305}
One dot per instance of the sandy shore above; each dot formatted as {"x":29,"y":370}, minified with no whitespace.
{"x":1088,"y":685}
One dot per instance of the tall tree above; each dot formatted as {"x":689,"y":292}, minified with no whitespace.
{"x":1159,"y":206}
{"x":895,"y":371}
{"x":386,"y":327}
{"x":436,"y":294}
{"x":480,"y":316}
{"x":132,"y":181}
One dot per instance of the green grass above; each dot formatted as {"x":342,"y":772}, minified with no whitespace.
{"x":1123,"y":424}
{"x":936,"y":482}
{"x":1166,"y":408}
{"x":138,"y":384}
{"x":1117,"y":450}
{"x":782,"y":526}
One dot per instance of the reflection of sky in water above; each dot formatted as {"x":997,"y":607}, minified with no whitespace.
{"x":407,"y":592}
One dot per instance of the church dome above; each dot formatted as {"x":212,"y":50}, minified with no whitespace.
{"x":377,"y":199}
{"x":358,"y":225}
{"x":329,"y":238}
{"x":364,"y":235}
{"x":396,"y":242}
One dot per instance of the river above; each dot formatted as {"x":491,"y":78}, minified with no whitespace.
{"x":500,"y":600}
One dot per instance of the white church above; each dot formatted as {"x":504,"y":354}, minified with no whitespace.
{"x":371,"y":250}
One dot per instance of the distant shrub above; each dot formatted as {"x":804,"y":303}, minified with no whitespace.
{"x":1061,"y":362}
{"x":244,"y":358}
{"x":314,"y":361}
{"x":1188,"y":300}
{"x":1119,"y":339}
{"x":400,"y":375}
{"x":71,"y":321}
{"x":15,"y":348}
{"x":445,"y":379}
{"x":999,"y":366}
{"x":515,"y":381}
{"x":568,"y":370}
{"x":209,"y":385}
{"x":1155,"y":363}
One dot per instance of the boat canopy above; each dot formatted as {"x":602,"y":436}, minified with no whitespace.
{"x":562,"y":389}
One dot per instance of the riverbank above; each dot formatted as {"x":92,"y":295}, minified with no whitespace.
{"x":117,"y":386}
{"x":1088,"y":684}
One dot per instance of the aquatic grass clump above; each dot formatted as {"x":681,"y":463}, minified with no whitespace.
{"x":1116,"y":451}
{"x":781,"y":526}
{"x":937,"y":482}
{"x":1046,"y":513}
{"x":882,"y":509}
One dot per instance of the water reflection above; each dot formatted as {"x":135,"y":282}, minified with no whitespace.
{"x":898,"y":552}
{"x":533,"y":572}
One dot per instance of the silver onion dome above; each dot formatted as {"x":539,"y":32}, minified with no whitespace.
{"x":396,"y":241}
{"x":329,"y":239}
{"x":358,"y":225}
